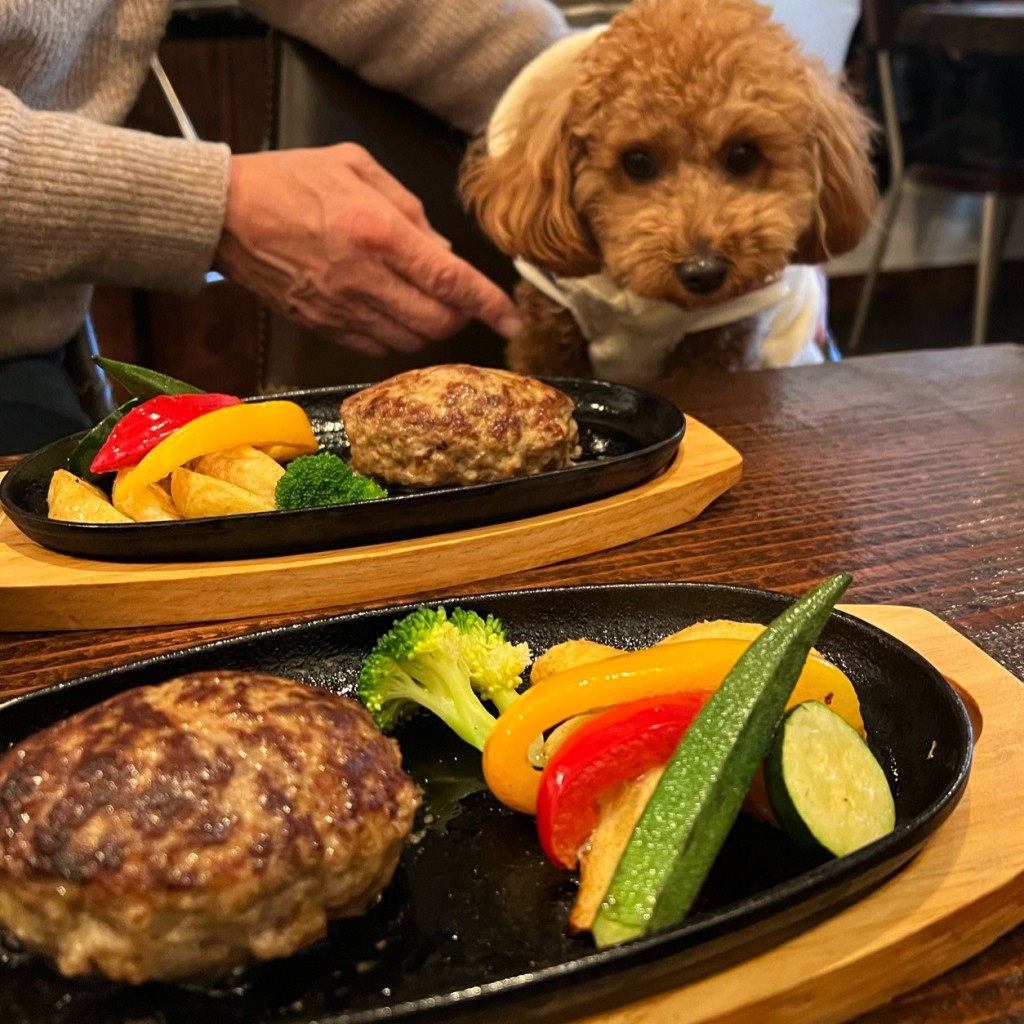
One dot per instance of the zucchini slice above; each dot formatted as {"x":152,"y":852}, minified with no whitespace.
{"x":825,"y":786}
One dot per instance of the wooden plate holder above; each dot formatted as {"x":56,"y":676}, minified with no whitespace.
{"x":46,"y":590}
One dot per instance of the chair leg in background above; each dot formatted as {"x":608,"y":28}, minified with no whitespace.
{"x":988,"y":264}
{"x":892,"y":206}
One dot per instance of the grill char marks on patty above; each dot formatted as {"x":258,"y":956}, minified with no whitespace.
{"x":192,"y":826}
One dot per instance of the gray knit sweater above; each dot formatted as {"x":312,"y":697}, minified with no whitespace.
{"x":83,"y":201}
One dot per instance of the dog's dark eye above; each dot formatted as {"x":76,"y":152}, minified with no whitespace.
{"x":741,"y":158}
{"x":639,"y":165}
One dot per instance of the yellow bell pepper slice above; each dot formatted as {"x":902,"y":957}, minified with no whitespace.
{"x":699,"y":664}
{"x":255,"y":423}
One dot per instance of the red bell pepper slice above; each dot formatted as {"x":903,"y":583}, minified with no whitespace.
{"x":144,"y":427}
{"x":614,"y":746}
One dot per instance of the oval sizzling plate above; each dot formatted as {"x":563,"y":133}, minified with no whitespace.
{"x":474,"y":919}
{"x":627,"y":436}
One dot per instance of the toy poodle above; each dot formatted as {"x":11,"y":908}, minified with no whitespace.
{"x":668,"y":185}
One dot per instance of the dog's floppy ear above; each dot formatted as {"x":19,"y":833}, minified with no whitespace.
{"x":518,"y":179}
{"x":847,"y":192}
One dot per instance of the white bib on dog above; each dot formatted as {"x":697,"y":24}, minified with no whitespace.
{"x":630,"y":337}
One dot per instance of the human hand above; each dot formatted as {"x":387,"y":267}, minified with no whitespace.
{"x":328,"y":238}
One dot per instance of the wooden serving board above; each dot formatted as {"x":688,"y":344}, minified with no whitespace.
{"x":46,"y":590}
{"x":957,"y":896}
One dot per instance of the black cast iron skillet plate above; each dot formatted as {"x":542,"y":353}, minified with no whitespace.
{"x":472,"y":925}
{"x":627,"y":436}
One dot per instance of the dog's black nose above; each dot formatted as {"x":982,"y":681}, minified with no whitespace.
{"x":703,"y":273}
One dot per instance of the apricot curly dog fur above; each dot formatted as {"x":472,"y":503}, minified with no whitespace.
{"x":689,"y":153}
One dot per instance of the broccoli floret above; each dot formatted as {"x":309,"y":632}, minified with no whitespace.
{"x":442,"y":664}
{"x":496,"y":666}
{"x":311,"y":481}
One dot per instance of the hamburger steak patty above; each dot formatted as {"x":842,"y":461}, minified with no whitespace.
{"x":189,"y":827}
{"x":458,"y":424}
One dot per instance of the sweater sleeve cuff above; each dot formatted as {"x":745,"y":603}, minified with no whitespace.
{"x":92,"y":203}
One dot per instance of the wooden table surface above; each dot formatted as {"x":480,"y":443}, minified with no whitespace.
{"x":906,"y":470}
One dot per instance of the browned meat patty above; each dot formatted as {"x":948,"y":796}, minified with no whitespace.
{"x":458,"y":424}
{"x":189,"y":827}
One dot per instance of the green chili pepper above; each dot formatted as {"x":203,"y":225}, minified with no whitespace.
{"x":144,"y":383}
{"x":80,"y":459}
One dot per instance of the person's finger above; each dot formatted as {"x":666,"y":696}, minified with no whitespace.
{"x":385,"y":328}
{"x":357,"y":323}
{"x":453,"y":281}
{"x":361,"y":343}
{"x":421,"y":313}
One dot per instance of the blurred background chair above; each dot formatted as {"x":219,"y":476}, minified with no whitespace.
{"x":978,"y":149}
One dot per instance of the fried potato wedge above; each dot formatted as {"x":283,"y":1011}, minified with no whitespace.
{"x":152,"y":504}
{"x":246,"y":467}
{"x":73,"y":500}
{"x":284,"y":453}
{"x":197,"y":496}
{"x":541,"y":753}
{"x":620,"y":811}
{"x":569,"y":654}
{"x":716,"y":629}
{"x":727,"y":629}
